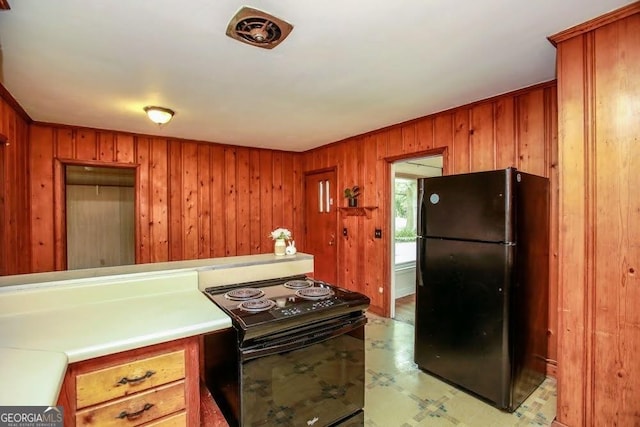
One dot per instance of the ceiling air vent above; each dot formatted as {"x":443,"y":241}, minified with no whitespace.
{"x":258,"y":28}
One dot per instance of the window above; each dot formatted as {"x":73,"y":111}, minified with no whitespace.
{"x":406,"y":212}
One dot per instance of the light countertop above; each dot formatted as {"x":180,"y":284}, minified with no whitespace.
{"x":46,"y":325}
{"x":42,"y":371}
{"x":43,"y":328}
{"x":207,"y":264}
{"x":96,"y":329}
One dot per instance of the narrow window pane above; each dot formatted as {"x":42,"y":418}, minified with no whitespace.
{"x":327,"y":196}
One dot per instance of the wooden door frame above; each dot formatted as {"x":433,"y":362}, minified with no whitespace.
{"x":60,"y":205}
{"x":386,"y":211}
{"x":333,"y":169}
{"x":3,"y":203}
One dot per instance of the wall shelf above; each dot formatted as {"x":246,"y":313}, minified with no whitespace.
{"x":358,"y":211}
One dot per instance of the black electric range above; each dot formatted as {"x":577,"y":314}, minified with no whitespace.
{"x":295,"y":355}
{"x":265,"y":307}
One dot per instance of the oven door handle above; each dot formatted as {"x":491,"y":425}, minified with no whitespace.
{"x":296,"y":342}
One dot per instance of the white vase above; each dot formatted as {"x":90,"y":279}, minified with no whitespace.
{"x":279,"y":247}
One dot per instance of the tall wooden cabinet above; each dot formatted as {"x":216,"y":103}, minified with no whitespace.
{"x":599,"y":203}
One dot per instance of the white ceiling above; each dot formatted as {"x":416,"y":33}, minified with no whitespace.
{"x":348,"y":66}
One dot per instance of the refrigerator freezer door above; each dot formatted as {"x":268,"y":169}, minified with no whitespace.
{"x":474,"y":206}
{"x":461,"y":332}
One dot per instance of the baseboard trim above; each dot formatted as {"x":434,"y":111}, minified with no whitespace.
{"x":376,"y":310}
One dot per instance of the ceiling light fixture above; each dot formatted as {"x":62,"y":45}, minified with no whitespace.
{"x":159,"y":115}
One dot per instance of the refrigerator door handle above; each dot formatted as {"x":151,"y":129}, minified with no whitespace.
{"x":420,"y":208}
{"x":420,"y":238}
{"x":420,"y":259}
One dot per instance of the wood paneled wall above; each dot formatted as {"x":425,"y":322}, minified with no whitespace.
{"x":193,"y":199}
{"x":198,"y":200}
{"x":599,"y":249}
{"x":517,"y":129}
{"x":15,"y":233}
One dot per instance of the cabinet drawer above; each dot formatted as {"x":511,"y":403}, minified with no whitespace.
{"x":135,"y":410}
{"x":174,"y":420}
{"x":122,"y":380}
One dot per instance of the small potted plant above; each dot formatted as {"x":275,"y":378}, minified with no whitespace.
{"x":351,"y":194}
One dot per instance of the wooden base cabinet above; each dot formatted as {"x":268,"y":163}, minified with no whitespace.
{"x":151,"y":386}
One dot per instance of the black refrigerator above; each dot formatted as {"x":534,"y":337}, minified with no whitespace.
{"x":482,"y":282}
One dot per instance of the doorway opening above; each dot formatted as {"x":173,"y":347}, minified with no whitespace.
{"x":405,"y":174}
{"x":100,"y":216}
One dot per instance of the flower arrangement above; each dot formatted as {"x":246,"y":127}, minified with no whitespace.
{"x":281,"y":233}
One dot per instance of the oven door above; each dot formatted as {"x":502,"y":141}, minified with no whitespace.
{"x":312,"y":380}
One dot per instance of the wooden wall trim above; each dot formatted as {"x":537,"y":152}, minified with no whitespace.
{"x":9,"y":99}
{"x":590,"y":222}
{"x":551,"y":138}
{"x":321,"y":170}
{"x":572,"y":253}
{"x":59,"y":216}
{"x":386,"y":209}
{"x":15,"y":232}
{"x":96,"y":163}
{"x":595,"y":23}
{"x":59,"y":200}
{"x":423,"y":153}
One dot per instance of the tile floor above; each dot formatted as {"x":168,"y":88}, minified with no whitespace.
{"x":399,"y":394}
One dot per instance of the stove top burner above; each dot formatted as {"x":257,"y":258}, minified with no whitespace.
{"x":244,"y":294}
{"x":298,"y":284}
{"x":256,"y":305}
{"x":314,"y":293}
{"x":263,"y":307}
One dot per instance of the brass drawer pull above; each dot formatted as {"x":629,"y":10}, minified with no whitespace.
{"x":126,"y":380}
{"x":134,"y":415}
